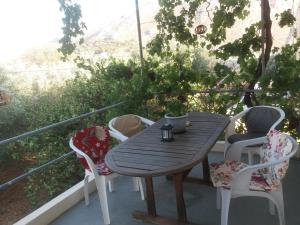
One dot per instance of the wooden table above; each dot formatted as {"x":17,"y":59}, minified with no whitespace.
{"x":144,"y":155}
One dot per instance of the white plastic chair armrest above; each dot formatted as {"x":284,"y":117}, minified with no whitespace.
{"x":230,"y":130}
{"x":114,"y":132}
{"x":241,"y":179}
{"x":110,"y":125}
{"x":121,"y":136}
{"x":234,"y":151}
{"x":146,"y":121}
{"x":118,"y":135}
{"x":87,"y":158}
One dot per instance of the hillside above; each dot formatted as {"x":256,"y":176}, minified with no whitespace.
{"x":117,"y":37}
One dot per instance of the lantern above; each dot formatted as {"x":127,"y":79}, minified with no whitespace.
{"x":166,"y":132}
{"x":200,"y":29}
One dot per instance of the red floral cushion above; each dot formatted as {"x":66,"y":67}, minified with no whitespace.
{"x":93,"y":141}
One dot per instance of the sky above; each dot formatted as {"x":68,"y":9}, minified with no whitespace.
{"x":32,"y":23}
{"x":27,"y":24}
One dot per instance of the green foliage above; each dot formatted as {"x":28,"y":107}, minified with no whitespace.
{"x":225,"y":16}
{"x":282,"y":83}
{"x":176,"y":18}
{"x":73,"y":27}
{"x":175,"y":70}
{"x":174,"y":23}
{"x":27,"y":113}
{"x":12,"y":121}
{"x":176,"y":108}
{"x":286,"y":18}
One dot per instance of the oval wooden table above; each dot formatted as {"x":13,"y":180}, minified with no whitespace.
{"x":144,"y":155}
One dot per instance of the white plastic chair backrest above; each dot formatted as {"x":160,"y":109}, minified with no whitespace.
{"x":279,"y":146}
{"x":262,"y":119}
{"x":86,"y":157}
{"x":129,"y":124}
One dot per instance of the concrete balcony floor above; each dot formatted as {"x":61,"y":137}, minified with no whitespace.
{"x":200,"y":203}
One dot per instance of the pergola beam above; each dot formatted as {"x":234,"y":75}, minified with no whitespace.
{"x":263,"y":37}
{"x":139,"y":34}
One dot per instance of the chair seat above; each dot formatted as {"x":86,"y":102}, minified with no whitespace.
{"x":222,"y":172}
{"x":100,"y":166}
{"x":103,"y":169}
{"x":242,"y":137}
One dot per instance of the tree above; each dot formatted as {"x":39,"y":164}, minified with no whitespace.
{"x":251,"y":52}
{"x":73,"y":27}
{"x":175,"y":21}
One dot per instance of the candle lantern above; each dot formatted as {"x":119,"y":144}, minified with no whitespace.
{"x":200,"y":29}
{"x":166,"y":132}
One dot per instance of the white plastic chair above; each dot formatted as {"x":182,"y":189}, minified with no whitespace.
{"x":236,"y":179}
{"x":262,"y":124}
{"x":112,"y":123}
{"x":137,"y":182}
{"x":100,"y":180}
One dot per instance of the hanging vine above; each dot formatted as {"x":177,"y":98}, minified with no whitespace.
{"x":73,"y":27}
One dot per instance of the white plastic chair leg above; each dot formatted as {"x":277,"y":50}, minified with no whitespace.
{"x":111,"y":185}
{"x":226,"y":197}
{"x":271,"y":208}
{"x":135,"y":181}
{"x":219,"y":198}
{"x":86,"y":190}
{"x":226,"y":146}
{"x":140,"y":183}
{"x":250,"y":158}
{"x":278,"y":196}
{"x":101,"y":187}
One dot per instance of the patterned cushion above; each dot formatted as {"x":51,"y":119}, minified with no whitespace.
{"x":94,"y":142}
{"x":221,"y":173}
{"x":266,"y":179}
{"x":278,"y":146}
{"x":221,"y":176}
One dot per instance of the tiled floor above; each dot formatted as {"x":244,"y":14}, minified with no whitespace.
{"x":200,"y":203}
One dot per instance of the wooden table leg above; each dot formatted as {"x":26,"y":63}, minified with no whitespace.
{"x":152,"y":217}
{"x":150,"y":196}
{"x":181,"y":210}
{"x":184,"y":174}
{"x":206,"y":173}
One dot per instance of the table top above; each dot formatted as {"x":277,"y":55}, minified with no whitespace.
{"x":146,"y":155}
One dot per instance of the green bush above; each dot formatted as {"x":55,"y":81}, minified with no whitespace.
{"x":173,"y":77}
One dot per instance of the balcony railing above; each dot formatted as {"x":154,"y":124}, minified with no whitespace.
{"x":74,"y":191}
{"x":42,"y":130}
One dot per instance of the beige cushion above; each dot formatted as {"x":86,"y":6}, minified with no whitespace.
{"x":101,"y":133}
{"x":128,"y":125}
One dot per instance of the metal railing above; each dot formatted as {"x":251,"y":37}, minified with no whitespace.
{"x":41,"y":130}
{"x":74,"y":119}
